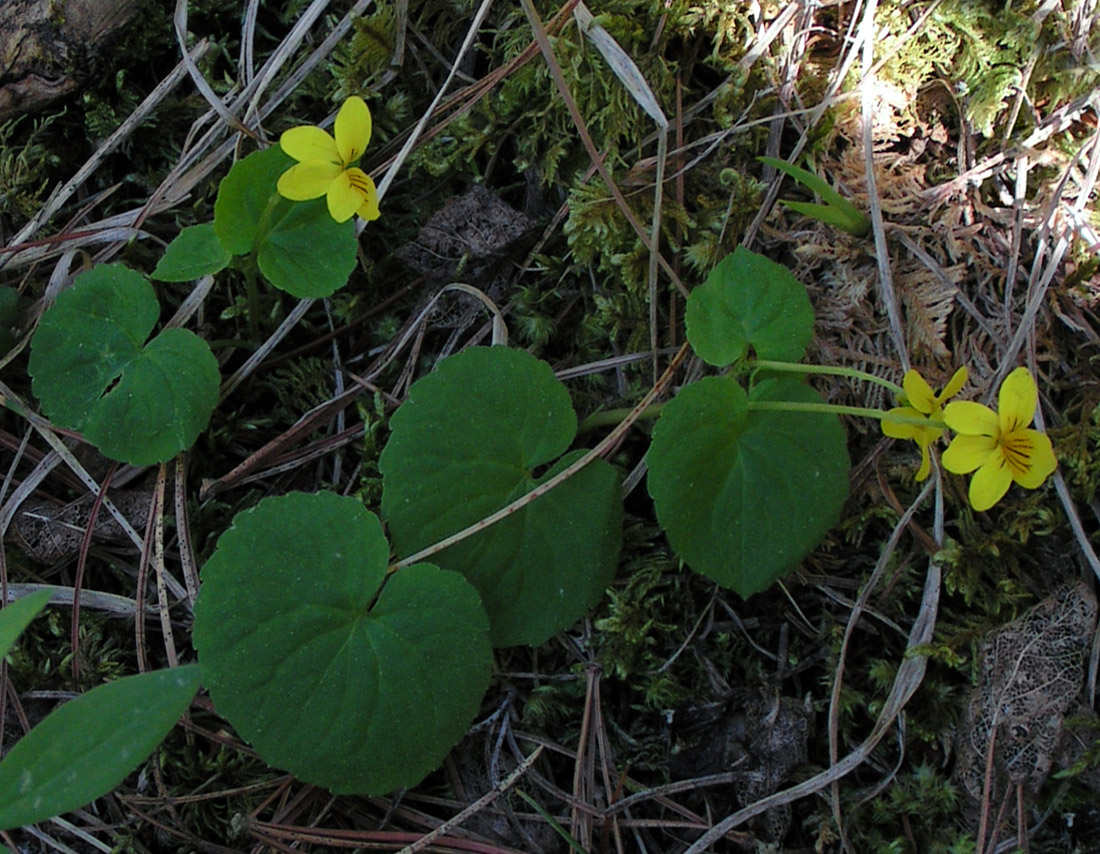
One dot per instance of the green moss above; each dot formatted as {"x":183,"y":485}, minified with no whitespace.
{"x":27,"y":160}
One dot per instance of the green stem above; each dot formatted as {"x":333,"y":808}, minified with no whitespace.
{"x":830,"y":370}
{"x":835,"y":409}
{"x":252,"y":294}
{"x":611,"y":417}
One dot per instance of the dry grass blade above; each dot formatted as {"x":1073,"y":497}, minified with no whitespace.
{"x":112,"y":142}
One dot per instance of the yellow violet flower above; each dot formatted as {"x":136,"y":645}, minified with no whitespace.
{"x":325,"y":167}
{"x":998,"y":446}
{"x":925,"y":404}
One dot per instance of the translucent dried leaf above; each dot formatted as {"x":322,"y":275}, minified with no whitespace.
{"x":1030,"y":673}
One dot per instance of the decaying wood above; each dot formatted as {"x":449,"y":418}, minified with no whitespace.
{"x":49,"y":48}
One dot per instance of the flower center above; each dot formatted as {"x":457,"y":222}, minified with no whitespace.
{"x":1017,"y":449}
{"x":359,"y":181}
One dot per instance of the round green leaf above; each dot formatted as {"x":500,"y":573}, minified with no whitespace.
{"x":305,"y":252}
{"x":749,"y":301}
{"x":468,"y":441}
{"x":744,"y":495}
{"x":86,"y":747}
{"x":195,"y":252}
{"x":244,"y":195}
{"x":299,"y":247}
{"x":346,"y":678}
{"x":92,"y":371}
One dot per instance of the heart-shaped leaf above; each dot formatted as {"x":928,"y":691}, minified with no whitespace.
{"x":86,"y":747}
{"x":299,"y":247}
{"x":749,"y":301}
{"x":195,"y":252}
{"x":244,"y":197}
{"x":346,"y":678}
{"x":93,"y":372}
{"x":744,"y":495}
{"x":469,"y":440}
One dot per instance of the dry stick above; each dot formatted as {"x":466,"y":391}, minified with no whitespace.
{"x":853,"y":618}
{"x":1027,"y":326}
{"x":1019,"y":202}
{"x":81,"y":563}
{"x":605,"y":446}
{"x":111,"y":604}
{"x":607,"y":762}
{"x":252,"y":362}
{"x":575,"y":114}
{"x":158,"y":566}
{"x":476,"y":806}
{"x":581,"y":825}
{"x":142,"y":576}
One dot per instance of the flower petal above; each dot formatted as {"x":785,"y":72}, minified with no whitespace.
{"x":353,"y":127}
{"x":307,"y":144}
{"x":957,"y":381}
{"x":966,"y":453}
{"x":368,"y":210}
{"x":989,"y":483}
{"x":969,"y":418}
{"x":920,"y":394}
{"x":1041,"y":460}
{"x":896,"y":430}
{"x":1017,"y":400}
{"x":925,"y":462}
{"x":309,"y":180}
{"x":344,"y":198}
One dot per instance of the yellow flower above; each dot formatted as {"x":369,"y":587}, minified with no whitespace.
{"x":999,"y":445}
{"x":924,"y":404}
{"x":325,"y":167}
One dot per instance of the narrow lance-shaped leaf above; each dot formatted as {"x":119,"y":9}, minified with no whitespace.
{"x":837,"y":210}
{"x":87,"y":746}
{"x":17,"y":616}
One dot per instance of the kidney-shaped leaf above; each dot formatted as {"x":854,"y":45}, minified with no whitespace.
{"x":744,"y":495}
{"x":93,"y":372}
{"x":299,"y":247}
{"x":749,"y":301}
{"x":468,"y":441}
{"x":86,"y":747}
{"x":345,"y":678}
